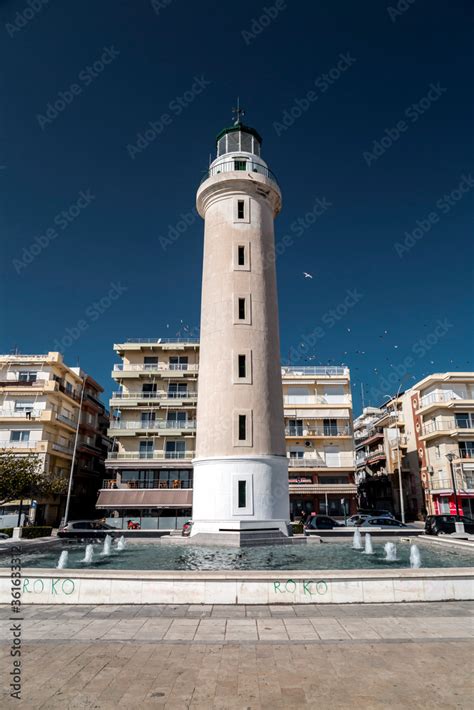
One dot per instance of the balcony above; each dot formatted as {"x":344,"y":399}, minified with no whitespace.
{"x":30,"y":446}
{"x":290,"y":400}
{"x":133,"y":397}
{"x":163,"y":456}
{"x":175,"y":484}
{"x":346,"y":460}
{"x":27,"y":415}
{"x":160,"y":424}
{"x":159,"y":367}
{"x":448,"y":398}
{"x":228,"y":166}
{"x":446,"y":426}
{"x":328,"y":431}
{"x":68,"y":450}
{"x":66,"y":420}
{"x":163,"y":341}
{"x":318,"y":371}
{"x":464,"y":483}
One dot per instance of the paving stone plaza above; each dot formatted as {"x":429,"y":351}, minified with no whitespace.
{"x":244,"y":657}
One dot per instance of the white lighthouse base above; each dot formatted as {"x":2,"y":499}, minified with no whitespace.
{"x":240,"y":500}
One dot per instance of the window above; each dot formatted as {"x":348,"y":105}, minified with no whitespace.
{"x":147,"y":418}
{"x":148,"y":389}
{"x":178,"y":362}
{"x":242,"y":366}
{"x":242,"y":494}
{"x":177,"y":390}
{"x":466,"y":449}
{"x":242,"y":427}
{"x":296,"y":454}
{"x":295,"y":427}
{"x":176,"y":417}
{"x":240,"y":209}
{"x":175,"y":450}
{"x":24,"y":406}
{"x":20,"y":436}
{"x":328,"y":480}
{"x":241,"y":255}
{"x":330,"y":427}
{"x":150,"y":362}
{"x":146,"y":449}
{"x":241,"y":308}
{"x":240,"y":165}
{"x":464,"y":420}
{"x":27,"y":376}
{"x":68,"y":387}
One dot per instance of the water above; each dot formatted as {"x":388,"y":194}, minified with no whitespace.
{"x":121,"y":543}
{"x":369,"y":548}
{"x":62,"y":562}
{"x":328,"y":556}
{"x":390,"y":552}
{"x":89,"y":555}
{"x":415,"y":557}
{"x":357,"y":540}
{"x":107,"y":546}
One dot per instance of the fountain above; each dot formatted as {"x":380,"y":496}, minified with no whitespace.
{"x":62,"y":562}
{"x":107,"y":546}
{"x":357,"y":540}
{"x":415,"y":557}
{"x":369,"y":550}
{"x":89,"y":554}
{"x":121,"y":543}
{"x":390,"y":552}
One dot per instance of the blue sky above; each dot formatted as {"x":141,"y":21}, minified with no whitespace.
{"x":366,"y":120}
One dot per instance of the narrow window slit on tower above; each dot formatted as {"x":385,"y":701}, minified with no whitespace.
{"x":242,"y":494}
{"x":241,"y":308}
{"x":242,"y":366}
{"x":242,"y":427}
{"x":240,"y":209}
{"x":241,"y":256}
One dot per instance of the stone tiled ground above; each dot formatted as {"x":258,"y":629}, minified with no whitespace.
{"x":250,"y":658}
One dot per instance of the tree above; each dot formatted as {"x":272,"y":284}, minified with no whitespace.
{"x":21,"y":477}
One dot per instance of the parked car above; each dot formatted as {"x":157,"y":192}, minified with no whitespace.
{"x":381,"y":522}
{"x":356,"y":520}
{"x":321,"y":522}
{"x":445,"y":524}
{"x":88,"y":528}
{"x":4,"y":537}
{"x":375,"y":513}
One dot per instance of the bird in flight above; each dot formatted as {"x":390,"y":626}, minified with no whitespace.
{"x":306,"y":275}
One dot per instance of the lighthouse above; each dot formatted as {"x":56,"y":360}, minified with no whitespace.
{"x":240,"y":469}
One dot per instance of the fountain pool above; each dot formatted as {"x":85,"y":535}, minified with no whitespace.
{"x":327,"y":556}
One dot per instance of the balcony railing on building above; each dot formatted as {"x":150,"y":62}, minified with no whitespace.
{"x":445,"y":424}
{"x":154,"y":395}
{"x":189,"y":425}
{"x":174,"y":484}
{"x":293,"y":399}
{"x":317,"y":431}
{"x":344,"y":460}
{"x":165,"y":341}
{"x":317,"y":370}
{"x":463,"y":482}
{"x":159,"y":366}
{"x":440,"y":398}
{"x":151,"y":455}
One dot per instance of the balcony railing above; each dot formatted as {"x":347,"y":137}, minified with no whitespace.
{"x":154,"y":483}
{"x":443,"y":424}
{"x":228,"y":166}
{"x":157,"y":367}
{"x":295,"y":400}
{"x":345,"y":460}
{"x":324,"y":371}
{"x":21,"y":414}
{"x":294,"y":462}
{"x":317,"y":431}
{"x":150,"y":455}
{"x":466,"y":453}
{"x":158,"y":424}
{"x":440,"y":398}
{"x":159,"y":341}
{"x":463,"y":483}
{"x":61,"y":448}
{"x":7,"y":444}
{"x":66,"y":420}
{"x":154,"y":395}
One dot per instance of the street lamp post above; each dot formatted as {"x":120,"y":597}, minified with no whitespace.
{"x":399,"y":466}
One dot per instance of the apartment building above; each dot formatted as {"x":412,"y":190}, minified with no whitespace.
{"x":318,"y":428}
{"x":384,"y":442}
{"x":442,"y":409}
{"x":40,"y":402}
{"x":153,"y":425}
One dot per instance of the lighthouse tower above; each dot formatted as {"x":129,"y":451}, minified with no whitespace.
{"x":240,"y":470}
